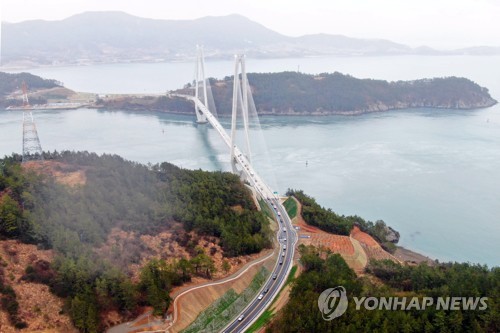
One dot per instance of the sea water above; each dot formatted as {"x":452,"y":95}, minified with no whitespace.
{"x":433,"y":175}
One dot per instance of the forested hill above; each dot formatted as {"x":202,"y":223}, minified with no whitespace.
{"x":10,"y":83}
{"x":297,"y":93}
{"x":11,"y":88}
{"x":97,"y":213}
{"x":292,"y":93}
{"x":322,"y":270}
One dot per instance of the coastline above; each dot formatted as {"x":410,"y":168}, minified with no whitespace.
{"x":295,"y":114}
{"x":412,"y":257}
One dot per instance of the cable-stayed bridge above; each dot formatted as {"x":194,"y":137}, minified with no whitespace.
{"x":241,"y":164}
{"x":240,"y":161}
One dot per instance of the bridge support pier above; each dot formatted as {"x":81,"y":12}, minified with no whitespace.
{"x":240,"y":100}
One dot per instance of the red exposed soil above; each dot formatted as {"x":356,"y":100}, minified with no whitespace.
{"x":132,"y":251}
{"x":336,"y":243}
{"x":38,"y":307}
{"x":363,"y":237}
{"x":370,"y":245}
{"x":356,"y":249}
{"x":70,"y":175}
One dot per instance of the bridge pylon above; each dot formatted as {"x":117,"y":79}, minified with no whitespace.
{"x":200,"y":85}
{"x":240,"y":100}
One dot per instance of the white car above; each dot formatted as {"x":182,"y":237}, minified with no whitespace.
{"x":260,"y":297}
{"x":240,"y":318}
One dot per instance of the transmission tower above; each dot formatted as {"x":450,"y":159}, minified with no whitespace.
{"x":32,"y":150}
{"x":240,"y":100}
{"x":26,"y":102}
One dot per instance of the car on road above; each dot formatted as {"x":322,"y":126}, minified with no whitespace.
{"x":281,"y":261}
{"x":260,"y":297}
{"x":266,"y":290}
{"x":284,"y":229}
{"x":283,"y":254}
{"x":275,"y":276}
{"x":240,"y":318}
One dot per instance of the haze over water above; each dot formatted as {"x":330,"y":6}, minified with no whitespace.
{"x":431,"y":174}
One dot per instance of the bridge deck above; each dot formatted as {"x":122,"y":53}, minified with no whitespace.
{"x":249,"y":172}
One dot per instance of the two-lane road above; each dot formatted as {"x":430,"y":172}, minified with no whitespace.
{"x":287,"y":238}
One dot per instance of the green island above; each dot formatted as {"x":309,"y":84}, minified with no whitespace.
{"x":285,"y":93}
{"x":291,"y":93}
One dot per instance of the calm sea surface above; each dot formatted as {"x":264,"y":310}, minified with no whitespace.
{"x":431,"y":174}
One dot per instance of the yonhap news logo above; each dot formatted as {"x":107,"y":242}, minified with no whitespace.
{"x":333,"y":303}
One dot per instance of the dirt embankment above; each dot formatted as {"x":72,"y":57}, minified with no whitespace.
{"x":349,"y":249}
{"x":371,"y":246}
{"x":191,"y":304}
{"x":356,"y":249}
{"x":38,"y":307}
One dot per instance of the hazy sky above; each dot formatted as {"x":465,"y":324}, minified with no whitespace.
{"x":437,"y":23}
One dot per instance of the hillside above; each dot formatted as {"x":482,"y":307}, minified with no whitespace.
{"x":109,"y":37}
{"x":323,"y":270}
{"x":296,"y":93}
{"x":39,"y":89}
{"x":371,"y":293}
{"x":121,"y":235}
{"x":10,"y":83}
{"x":292,"y":93}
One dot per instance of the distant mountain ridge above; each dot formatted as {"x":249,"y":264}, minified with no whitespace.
{"x":107,"y":37}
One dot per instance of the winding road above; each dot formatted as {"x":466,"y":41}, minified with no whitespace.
{"x":287,"y":238}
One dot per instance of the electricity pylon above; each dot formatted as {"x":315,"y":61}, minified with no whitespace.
{"x":32,"y":150}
